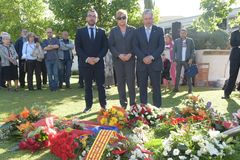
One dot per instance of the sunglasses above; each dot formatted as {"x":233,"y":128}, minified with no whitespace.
{"x":121,"y":18}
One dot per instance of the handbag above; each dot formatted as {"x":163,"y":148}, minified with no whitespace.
{"x":191,"y":71}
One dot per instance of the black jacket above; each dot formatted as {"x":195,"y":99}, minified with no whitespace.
{"x":85,"y":47}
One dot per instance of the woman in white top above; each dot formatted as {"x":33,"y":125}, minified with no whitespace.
{"x":32,"y":63}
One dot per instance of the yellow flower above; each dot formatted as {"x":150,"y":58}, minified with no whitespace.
{"x":113,"y":121}
{"x":103,"y":121}
{"x":113,"y":111}
{"x":120,"y":114}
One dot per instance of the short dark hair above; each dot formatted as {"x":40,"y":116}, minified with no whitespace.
{"x":92,"y":10}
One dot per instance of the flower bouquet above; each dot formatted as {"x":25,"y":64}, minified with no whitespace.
{"x":146,"y":114}
{"x":18,"y":124}
{"x":66,"y":143}
{"x":194,"y":144}
{"x":115,"y":116}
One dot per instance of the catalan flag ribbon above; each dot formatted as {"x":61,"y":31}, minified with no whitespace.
{"x":100,"y":144}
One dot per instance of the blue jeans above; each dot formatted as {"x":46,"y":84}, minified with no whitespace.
{"x":52,"y":71}
{"x":64,"y":71}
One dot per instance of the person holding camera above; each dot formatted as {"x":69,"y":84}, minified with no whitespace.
{"x":9,"y":61}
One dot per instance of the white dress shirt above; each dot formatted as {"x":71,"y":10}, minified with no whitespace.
{"x":94,"y":31}
{"x":184,"y":49}
{"x":148,"y":31}
{"x":28,"y":50}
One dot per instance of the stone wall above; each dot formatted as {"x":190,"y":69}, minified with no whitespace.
{"x":218,"y":65}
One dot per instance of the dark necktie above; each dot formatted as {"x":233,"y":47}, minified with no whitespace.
{"x":92,"y":34}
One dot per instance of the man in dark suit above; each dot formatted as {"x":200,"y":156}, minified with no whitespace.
{"x":183,"y":55}
{"x":148,"y":47}
{"x":18,"y":46}
{"x":91,"y":46}
{"x":234,"y":63}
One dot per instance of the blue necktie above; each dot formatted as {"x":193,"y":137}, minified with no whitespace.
{"x":92,"y":34}
{"x":148,"y":34}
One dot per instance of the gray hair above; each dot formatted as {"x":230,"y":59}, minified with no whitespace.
{"x":147,"y":11}
{"x":5,"y":35}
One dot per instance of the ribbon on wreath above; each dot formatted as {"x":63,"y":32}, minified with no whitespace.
{"x":100,"y":144}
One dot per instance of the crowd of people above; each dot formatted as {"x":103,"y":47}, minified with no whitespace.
{"x":131,"y":54}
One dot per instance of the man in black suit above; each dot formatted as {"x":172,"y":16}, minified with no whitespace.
{"x":18,"y":46}
{"x":234,"y":63}
{"x":91,"y":46}
{"x":148,"y":47}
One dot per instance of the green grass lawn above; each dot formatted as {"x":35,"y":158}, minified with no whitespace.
{"x":70,"y":103}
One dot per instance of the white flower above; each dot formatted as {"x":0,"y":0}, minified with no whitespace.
{"x":196,"y":138}
{"x":84,"y":153}
{"x":211,"y":149}
{"x":169,"y":159}
{"x":133,"y":157}
{"x":176,"y":152}
{"x":182,"y":157}
{"x":148,"y":117}
{"x":199,"y":153}
{"x":188,"y":152}
{"x":165,"y":153}
{"x":214,"y":134}
{"x":194,"y":157}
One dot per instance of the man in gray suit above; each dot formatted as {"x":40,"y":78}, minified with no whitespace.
{"x":148,"y":47}
{"x":120,"y":44}
{"x":183,"y":55}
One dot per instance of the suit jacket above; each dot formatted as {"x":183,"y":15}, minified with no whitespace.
{"x":85,"y":47}
{"x":119,"y":44}
{"x":154,"y":47}
{"x":18,"y":46}
{"x":177,"y":49}
{"x":235,"y":43}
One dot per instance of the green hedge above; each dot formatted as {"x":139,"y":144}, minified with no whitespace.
{"x":208,"y":40}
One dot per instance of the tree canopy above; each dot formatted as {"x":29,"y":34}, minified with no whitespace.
{"x":71,"y":14}
{"x":18,"y":14}
{"x":214,"y":12}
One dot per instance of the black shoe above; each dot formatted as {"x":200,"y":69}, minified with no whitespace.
{"x":176,"y":90}
{"x":22,"y":86}
{"x":87,"y":109}
{"x":103,"y":108}
{"x":225,"y":97}
{"x":81,"y":86}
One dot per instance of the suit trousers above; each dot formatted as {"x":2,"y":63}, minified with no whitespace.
{"x":33,"y":66}
{"x":179,"y":66}
{"x":22,"y":72}
{"x":155,"y":78}
{"x":91,"y":73}
{"x":234,"y":69}
{"x":125,"y":74}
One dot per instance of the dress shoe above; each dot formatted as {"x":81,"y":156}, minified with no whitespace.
{"x":225,"y":97}
{"x":87,"y":109}
{"x":175,"y":90}
{"x":81,"y":86}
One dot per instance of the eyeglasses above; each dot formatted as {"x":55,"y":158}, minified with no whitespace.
{"x":94,"y":16}
{"x":121,"y":18}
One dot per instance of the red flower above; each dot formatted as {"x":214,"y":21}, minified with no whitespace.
{"x":119,"y":152}
{"x":228,"y":124}
{"x":63,"y":144}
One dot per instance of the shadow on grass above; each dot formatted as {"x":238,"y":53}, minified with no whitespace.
{"x":233,"y":105}
{"x":82,"y":115}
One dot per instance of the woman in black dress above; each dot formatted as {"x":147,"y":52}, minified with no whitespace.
{"x":9,"y":61}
